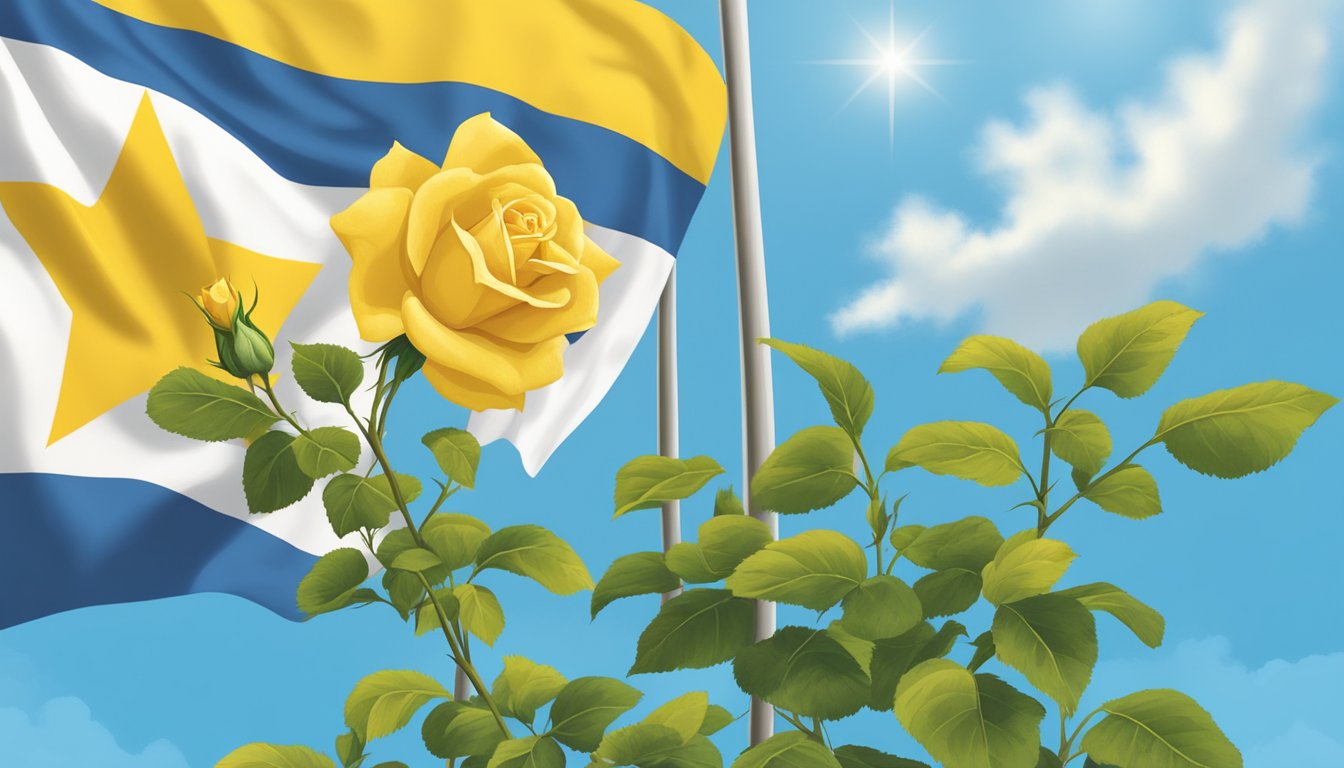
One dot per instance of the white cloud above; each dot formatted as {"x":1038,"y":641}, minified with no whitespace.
{"x":1103,"y":206}
{"x":1280,"y":714}
{"x":62,"y":734}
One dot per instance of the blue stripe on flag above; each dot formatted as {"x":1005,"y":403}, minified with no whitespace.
{"x":71,"y":542}
{"x":327,"y":131}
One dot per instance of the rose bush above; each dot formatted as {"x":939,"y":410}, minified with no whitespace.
{"x":479,"y":263}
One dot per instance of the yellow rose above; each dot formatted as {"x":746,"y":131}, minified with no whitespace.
{"x":220,"y":302}
{"x":480,"y":263}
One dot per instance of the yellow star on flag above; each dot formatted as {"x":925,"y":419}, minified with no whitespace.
{"x":123,"y":264}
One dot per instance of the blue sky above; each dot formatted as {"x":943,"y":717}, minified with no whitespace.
{"x":1100,"y":98}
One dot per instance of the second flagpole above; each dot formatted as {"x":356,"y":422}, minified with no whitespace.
{"x":758,"y":400}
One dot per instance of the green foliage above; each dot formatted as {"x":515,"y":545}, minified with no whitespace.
{"x":948,"y":592}
{"x":698,"y":628}
{"x":804,"y":671}
{"x":1050,"y":639}
{"x":641,"y":573}
{"x":354,"y":501}
{"x":1127,"y":353}
{"x":1146,"y":623}
{"x":1234,"y":432}
{"x":791,"y":749}
{"x":881,"y":607}
{"x":274,"y":756}
{"x":528,"y":752}
{"x":895,"y":656}
{"x":648,"y":481}
{"x":969,"y":543}
{"x":384,"y":702}
{"x":326,"y":451}
{"x":332,"y":581}
{"x":585,"y":707}
{"x":814,"y":569}
{"x":847,"y":392}
{"x":525,"y":686}
{"x":1025,"y":566}
{"x":1081,"y":439}
{"x":1129,"y":491}
{"x":969,"y":721}
{"x":684,"y":714}
{"x":1020,"y":371}
{"x":456,"y":729}
{"x":726,"y":502}
{"x":187,"y":402}
{"x":851,"y":756}
{"x":811,"y":470}
{"x":272,"y":479}
{"x":965,"y":449}
{"x":327,"y":373}
{"x":480,"y":612}
{"x":1159,"y":728}
{"x":457,"y":452}
{"x":538,"y":554}
{"x":725,"y":541}
{"x":453,"y":538}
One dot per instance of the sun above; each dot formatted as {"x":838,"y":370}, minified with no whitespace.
{"x":893,"y":62}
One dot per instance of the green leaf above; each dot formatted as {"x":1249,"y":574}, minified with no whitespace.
{"x":647,"y":481}
{"x":641,"y":573}
{"x":684,"y":714}
{"x":1082,"y":440}
{"x":454,"y":538}
{"x":811,"y":470}
{"x":1025,"y":566}
{"x":861,"y":650}
{"x":1053,"y":641}
{"x":538,"y":554}
{"x":1020,"y":370}
{"x":949,"y":592}
{"x":1160,"y":728}
{"x":332,"y":581}
{"x":1234,"y":432}
{"x":585,"y":707}
{"x":847,"y":392}
{"x":456,"y":729}
{"x":791,"y":749}
{"x":965,"y":449}
{"x":354,"y":501}
{"x":636,"y":744}
{"x":427,"y":615}
{"x":1129,"y":492}
{"x":725,"y":542}
{"x":479,"y":611}
{"x":417,"y":560}
{"x":969,"y":543}
{"x":895,"y":656}
{"x":1146,"y":623}
{"x":814,"y":569}
{"x":272,"y":479}
{"x":966,"y":720}
{"x":524,"y":686}
{"x":805,"y":672}
{"x":726,"y":502}
{"x":326,"y":451}
{"x":349,"y":749}
{"x":528,"y":752}
{"x":403,"y":588}
{"x":902,"y":537}
{"x":1127,"y":353}
{"x":984,"y":650}
{"x":882,"y":606}
{"x":716,"y":719}
{"x":259,"y":755}
{"x":457,"y":452}
{"x":698,"y":752}
{"x":187,"y":402}
{"x":327,"y":372}
{"x":698,"y":628}
{"x":385,"y":702}
{"x":1048,"y":759}
{"x":851,"y":756}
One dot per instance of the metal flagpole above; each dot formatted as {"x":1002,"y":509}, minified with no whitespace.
{"x":668,"y":436}
{"x":758,"y":398}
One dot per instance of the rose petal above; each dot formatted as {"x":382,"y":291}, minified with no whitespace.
{"x":599,"y":261}
{"x":548,"y":299}
{"x":528,"y":325}
{"x":449,"y":289}
{"x":568,"y":228}
{"x":433,"y":206}
{"x":401,"y":167}
{"x":373,"y":230}
{"x":468,"y":391}
{"x":483,"y":144}
{"x":511,"y":368}
{"x":496,"y":245}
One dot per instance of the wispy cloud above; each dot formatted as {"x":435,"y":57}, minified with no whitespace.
{"x":63,"y":733}
{"x":1282,"y":713}
{"x":1104,"y":205}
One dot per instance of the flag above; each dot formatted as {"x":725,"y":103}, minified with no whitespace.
{"x":149,"y":146}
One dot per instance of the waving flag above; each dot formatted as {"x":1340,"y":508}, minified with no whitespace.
{"x":148,"y":146}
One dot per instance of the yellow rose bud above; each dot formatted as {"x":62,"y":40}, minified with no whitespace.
{"x":220,"y":302}
{"x":479,"y":263}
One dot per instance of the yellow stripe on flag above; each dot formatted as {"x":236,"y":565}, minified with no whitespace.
{"x":617,"y":64}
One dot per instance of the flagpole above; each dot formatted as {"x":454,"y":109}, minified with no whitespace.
{"x":668,"y":416}
{"x":758,"y":399}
